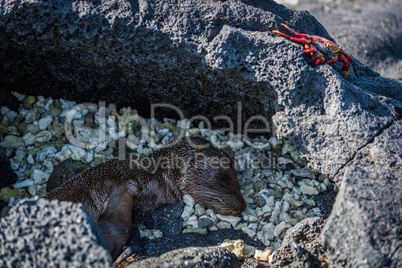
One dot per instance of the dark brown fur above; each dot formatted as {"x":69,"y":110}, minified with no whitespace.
{"x":118,"y":194}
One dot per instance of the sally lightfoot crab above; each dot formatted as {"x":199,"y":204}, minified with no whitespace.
{"x":320,"y":49}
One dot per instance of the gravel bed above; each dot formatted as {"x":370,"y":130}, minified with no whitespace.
{"x":275,"y":180}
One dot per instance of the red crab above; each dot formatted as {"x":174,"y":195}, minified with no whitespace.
{"x":319,"y":47}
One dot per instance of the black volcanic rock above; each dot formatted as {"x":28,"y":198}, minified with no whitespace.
{"x":39,"y":233}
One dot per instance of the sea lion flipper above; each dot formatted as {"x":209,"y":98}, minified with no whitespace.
{"x":115,"y":219}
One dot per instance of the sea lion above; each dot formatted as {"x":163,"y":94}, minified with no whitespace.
{"x":120,"y":193}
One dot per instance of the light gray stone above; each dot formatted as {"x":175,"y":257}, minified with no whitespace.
{"x":364,"y":228}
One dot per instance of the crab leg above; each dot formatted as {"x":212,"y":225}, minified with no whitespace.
{"x":317,"y":56}
{"x":301,"y":40}
{"x":310,"y":49}
{"x":334,"y":59}
{"x":314,"y":56}
{"x":346,"y":60}
{"x":320,"y":60}
{"x":296,"y":33}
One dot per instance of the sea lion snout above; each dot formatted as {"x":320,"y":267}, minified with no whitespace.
{"x":216,"y":188}
{"x":221,"y":202}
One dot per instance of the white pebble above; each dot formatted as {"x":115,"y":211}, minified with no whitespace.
{"x":50,"y":101}
{"x":32,"y":190}
{"x":14,"y":164}
{"x":308,"y":190}
{"x":29,"y":138}
{"x":276,"y":212}
{"x":223,"y":225}
{"x":73,"y":152}
{"x":281,"y":227}
{"x":248,"y":173}
{"x":39,"y":176}
{"x":12,"y":201}
{"x":252,"y":218}
{"x":44,"y":122}
{"x":213,"y":228}
{"x":240,"y":226}
{"x":49,"y":165}
{"x":24,"y":183}
{"x":188,"y":200}
{"x":11,"y":115}
{"x":266,"y":235}
{"x":294,"y":202}
{"x":193,"y":221}
{"x":287,"y":148}
{"x":43,"y":136}
{"x":253,"y":226}
{"x":30,"y":159}
{"x":199,"y":210}
{"x":250,"y":232}
{"x":4,"y":110}
{"x":274,"y":141}
{"x":48,"y":151}
{"x":259,"y":212}
{"x":211,"y":214}
{"x":268,"y":172}
{"x":66,"y":106}
{"x":19,"y":154}
{"x":317,"y":211}
{"x":231,"y":219}
{"x":323,"y":187}
{"x":285,"y":206}
{"x":187,"y":211}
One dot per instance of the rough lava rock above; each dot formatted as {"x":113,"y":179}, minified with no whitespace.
{"x":385,"y":151}
{"x":365,"y":227}
{"x":192,"y":257}
{"x":301,"y":246}
{"x":39,"y":233}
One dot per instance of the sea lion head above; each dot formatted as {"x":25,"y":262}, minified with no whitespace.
{"x":212,"y":182}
